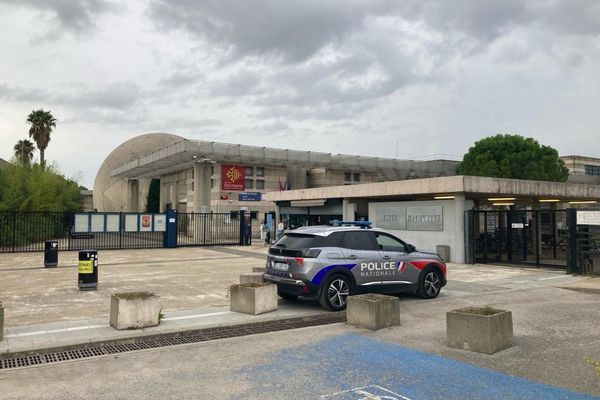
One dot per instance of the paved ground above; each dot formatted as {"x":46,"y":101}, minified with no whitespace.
{"x":555,"y":329}
{"x":185,"y":278}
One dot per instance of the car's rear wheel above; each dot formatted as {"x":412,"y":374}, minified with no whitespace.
{"x":335,"y":292}
{"x":430,"y":283}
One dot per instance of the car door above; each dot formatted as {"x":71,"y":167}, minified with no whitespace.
{"x":394,"y":253}
{"x":359,"y":248}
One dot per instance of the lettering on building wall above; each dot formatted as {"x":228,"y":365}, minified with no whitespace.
{"x":422,"y":218}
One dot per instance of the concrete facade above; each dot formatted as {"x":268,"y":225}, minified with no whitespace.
{"x":454,"y":194}
{"x":177,"y":163}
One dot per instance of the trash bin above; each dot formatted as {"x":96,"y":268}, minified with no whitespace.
{"x":88,"y":269}
{"x":51,"y":253}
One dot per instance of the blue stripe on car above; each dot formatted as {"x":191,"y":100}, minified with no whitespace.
{"x":316,"y":280}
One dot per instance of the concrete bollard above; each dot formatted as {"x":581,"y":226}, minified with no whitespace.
{"x":254,"y":277}
{"x":373,"y":311}
{"x":134,"y":310}
{"x":253,"y":298}
{"x":479,"y":329}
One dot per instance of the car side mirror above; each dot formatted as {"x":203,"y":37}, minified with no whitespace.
{"x":411,"y":248}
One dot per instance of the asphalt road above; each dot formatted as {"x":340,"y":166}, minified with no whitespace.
{"x":334,"y":362}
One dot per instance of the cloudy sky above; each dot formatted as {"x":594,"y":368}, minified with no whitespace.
{"x":371,"y":77}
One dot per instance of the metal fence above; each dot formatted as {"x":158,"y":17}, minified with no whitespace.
{"x":209,"y":229}
{"x":28,"y":231}
{"x":586,"y":257}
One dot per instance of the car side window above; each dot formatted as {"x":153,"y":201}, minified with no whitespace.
{"x":388,"y":243}
{"x":359,"y":240}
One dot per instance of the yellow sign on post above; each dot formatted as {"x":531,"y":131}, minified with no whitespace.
{"x":86,"y":267}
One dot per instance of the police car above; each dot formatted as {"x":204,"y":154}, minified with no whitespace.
{"x":330,"y":263}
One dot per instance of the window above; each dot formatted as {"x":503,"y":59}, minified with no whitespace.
{"x":359,"y":240}
{"x":351,"y":178}
{"x":388,"y":243}
{"x":592,"y":169}
{"x":249,"y":183}
{"x":212,"y":183}
{"x":260,"y":171}
{"x":260,"y":184}
{"x":249,"y":171}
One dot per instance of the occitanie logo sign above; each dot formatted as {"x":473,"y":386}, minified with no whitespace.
{"x":232,"y":177}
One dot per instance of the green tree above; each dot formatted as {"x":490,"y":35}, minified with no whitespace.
{"x":24,"y":151}
{"x":37,"y":189}
{"x":41,"y":123}
{"x":153,"y":197}
{"x":513,"y":156}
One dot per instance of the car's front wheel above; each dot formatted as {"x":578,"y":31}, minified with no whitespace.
{"x":335,"y":292}
{"x":430,"y":283}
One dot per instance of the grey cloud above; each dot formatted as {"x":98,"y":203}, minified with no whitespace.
{"x":76,"y":16}
{"x":291,"y":31}
{"x":119,"y":96}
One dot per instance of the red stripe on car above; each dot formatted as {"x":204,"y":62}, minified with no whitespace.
{"x":421,"y":264}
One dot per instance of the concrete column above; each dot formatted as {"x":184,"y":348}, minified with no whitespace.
{"x":201,"y":188}
{"x":457,"y":254}
{"x":163,"y":196}
{"x":133,"y":195}
{"x":348,"y":210}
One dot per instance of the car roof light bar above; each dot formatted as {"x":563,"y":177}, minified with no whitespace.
{"x":361,"y":224}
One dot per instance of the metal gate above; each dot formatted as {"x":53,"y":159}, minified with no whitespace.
{"x":209,"y":229}
{"x":536,"y":237}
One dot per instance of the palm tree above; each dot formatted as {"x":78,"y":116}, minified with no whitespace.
{"x":42,"y":123}
{"x":24,"y":151}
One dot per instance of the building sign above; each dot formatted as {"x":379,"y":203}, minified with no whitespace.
{"x":424,"y":218}
{"x":249,"y":196}
{"x":393,"y":218}
{"x":232,"y":177}
{"x":588,"y":217}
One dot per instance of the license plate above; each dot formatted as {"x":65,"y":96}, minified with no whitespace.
{"x":279,"y":266}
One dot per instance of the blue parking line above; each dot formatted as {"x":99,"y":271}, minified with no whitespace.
{"x":352,"y":366}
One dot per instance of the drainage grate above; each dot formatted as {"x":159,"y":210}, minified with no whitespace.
{"x":203,"y":335}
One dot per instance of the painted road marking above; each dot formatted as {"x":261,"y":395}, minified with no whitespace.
{"x":86,"y":327}
{"x":355,"y":361}
{"x":371,"y":392}
{"x":196,"y":316}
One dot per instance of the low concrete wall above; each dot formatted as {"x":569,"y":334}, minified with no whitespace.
{"x":253,"y":277}
{"x":134,"y":310}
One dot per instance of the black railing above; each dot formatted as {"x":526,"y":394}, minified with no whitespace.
{"x":27,"y":232}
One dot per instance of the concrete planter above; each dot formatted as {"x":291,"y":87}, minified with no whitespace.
{"x":1,"y":322}
{"x":253,"y":298}
{"x":134,"y":310}
{"x":373,"y":311}
{"x":480,"y":329}
{"x":253,"y":277}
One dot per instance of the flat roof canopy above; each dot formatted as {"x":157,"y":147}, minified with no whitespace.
{"x":470,"y":186}
{"x":183,"y":155}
